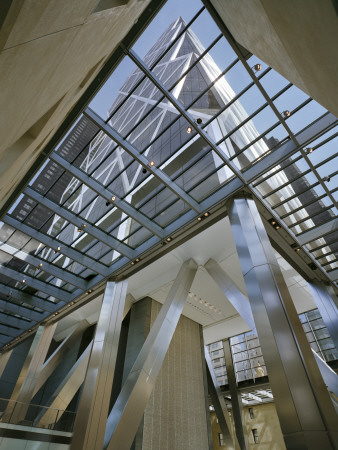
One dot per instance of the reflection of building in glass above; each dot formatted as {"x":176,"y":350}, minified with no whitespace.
{"x":247,"y":353}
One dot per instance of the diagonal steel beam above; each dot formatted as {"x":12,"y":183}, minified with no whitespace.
{"x":58,"y":355}
{"x":81,"y":223}
{"x":129,"y":148}
{"x":188,"y":117}
{"x":4,"y":357}
{"x":32,"y":300}
{"x":126,"y":415}
{"x":97,"y":187}
{"x":218,"y":402}
{"x":48,"y":267}
{"x":36,"y":284}
{"x":53,"y":243}
{"x":230,"y":290}
{"x":20,"y":310}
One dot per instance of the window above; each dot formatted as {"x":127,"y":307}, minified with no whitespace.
{"x":255,"y":435}
{"x":251,"y":413}
{"x":220,"y":440}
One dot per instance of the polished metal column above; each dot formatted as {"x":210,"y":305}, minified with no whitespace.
{"x":219,"y":404}
{"x":57,"y":356}
{"x":233,"y":294}
{"x":327,"y":307}
{"x":93,"y":407}
{"x":4,"y":357}
{"x":65,"y":392}
{"x":127,"y":413}
{"x":306,"y":413}
{"x":24,"y":388}
{"x":236,"y":399}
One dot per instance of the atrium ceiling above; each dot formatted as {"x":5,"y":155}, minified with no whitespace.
{"x":191,"y":122}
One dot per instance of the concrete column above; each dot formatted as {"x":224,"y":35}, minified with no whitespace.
{"x":325,"y":302}
{"x":236,"y":399}
{"x":306,"y":413}
{"x":93,"y":407}
{"x":24,"y":388}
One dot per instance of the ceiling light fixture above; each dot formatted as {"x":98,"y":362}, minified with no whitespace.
{"x":113,"y":198}
{"x":169,"y":238}
{"x":199,"y":121}
{"x":189,"y":130}
{"x":286,"y":114}
{"x":257,"y":67}
{"x":151,"y":163}
{"x":309,"y":150}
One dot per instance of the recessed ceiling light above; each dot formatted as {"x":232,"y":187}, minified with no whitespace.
{"x":199,"y":218}
{"x":309,"y":150}
{"x":113,"y":198}
{"x":169,"y":238}
{"x":152,"y":163}
{"x":189,"y":130}
{"x":286,"y":113}
{"x":257,"y":67}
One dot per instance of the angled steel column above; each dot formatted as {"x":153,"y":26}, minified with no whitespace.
{"x":236,"y":399}
{"x":93,"y":407}
{"x":65,"y":392}
{"x":221,"y":409}
{"x":4,"y":357}
{"x":306,"y":413}
{"x":327,"y":308}
{"x":29,"y":374}
{"x":233,"y":294}
{"x":127,"y":413}
{"x":56,"y":357}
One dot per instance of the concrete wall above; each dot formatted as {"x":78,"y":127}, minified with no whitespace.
{"x":265,"y":421}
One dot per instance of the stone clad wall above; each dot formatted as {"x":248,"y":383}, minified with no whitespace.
{"x":175,"y":417}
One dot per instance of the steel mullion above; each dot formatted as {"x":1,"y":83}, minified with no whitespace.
{"x":290,"y":163}
{"x":288,"y":148}
{"x":23,"y":311}
{"x":303,"y":206}
{"x":292,"y":197}
{"x":48,"y":289}
{"x":107,"y":195}
{"x":46,"y":266}
{"x":234,"y":45}
{"x":332,"y":252}
{"x":53,"y":243}
{"x":184,"y":113}
{"x":287,"y":183}
{"x":80,"y":222}
{"x":129,"y":148}
{"x":32,"y":300}
{"x":156,"y":62}
{"x":318,"y":232}
{"x":310,"y":217}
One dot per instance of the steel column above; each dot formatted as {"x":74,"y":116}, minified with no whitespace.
{"x":304,"y":408}
{"x":232,"y":293}
{"x":327,"y":308}
{"x":57,"y":356}
{"x":105,"y":193}
{"x":65,"y":392}
{"x":236,"y":399}
{"x":93,"y":407}
{"x":4,"y":357}
{"x":127,"y":413}
{"x":23,"y":390}
{"x":206,"y":380}
{"x":217,"y":398}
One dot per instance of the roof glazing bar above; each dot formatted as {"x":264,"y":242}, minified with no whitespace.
{"x":318,"y":232}
{"x":108,"y":195}
{"x":129,"y":148}
{"x":54,"y":244}
{"x":22,"y":311}
{"x":35,"y":283}
{"x":48,"y":267}
{"x":142,"y":66}
{"x":81,"y":223}
{"x":32,"y":300}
